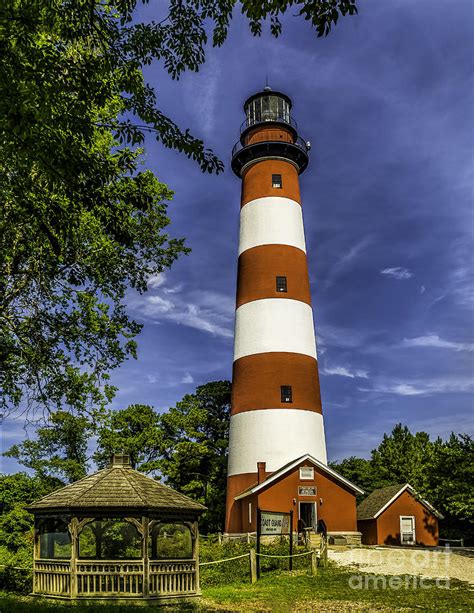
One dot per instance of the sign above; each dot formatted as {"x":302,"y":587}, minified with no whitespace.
{"x":274,"y":523}
{"x":304,"y":490}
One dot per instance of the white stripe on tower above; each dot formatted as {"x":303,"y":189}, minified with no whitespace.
{"x":271,"y":221}
{"x":273,"y":324}
{"x":276,"y":435}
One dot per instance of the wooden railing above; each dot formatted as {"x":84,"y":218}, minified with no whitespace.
{"x":52,"y":577}
{"x":172,"y":577}
{"x":108,"y":577}
{"x":104,"y":578}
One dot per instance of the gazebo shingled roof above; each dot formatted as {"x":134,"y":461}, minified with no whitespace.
{"x":118,"y":487}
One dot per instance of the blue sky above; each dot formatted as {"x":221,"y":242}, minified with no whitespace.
{"x":387,"y":102}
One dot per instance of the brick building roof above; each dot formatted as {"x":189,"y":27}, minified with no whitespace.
{"x":375,"y":503}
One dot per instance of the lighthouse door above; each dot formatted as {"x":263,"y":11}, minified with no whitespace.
{"x":308,"y":514}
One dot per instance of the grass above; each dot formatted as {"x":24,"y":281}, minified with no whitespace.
{"x":331,"y":591}
{"x":281,"y":591}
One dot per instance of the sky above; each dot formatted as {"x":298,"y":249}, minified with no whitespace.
{"x":387,"y":103}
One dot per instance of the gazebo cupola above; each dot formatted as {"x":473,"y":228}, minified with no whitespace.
{"x":116,"y":533}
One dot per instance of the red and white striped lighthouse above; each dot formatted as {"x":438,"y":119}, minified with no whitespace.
{"x":276,"y":413}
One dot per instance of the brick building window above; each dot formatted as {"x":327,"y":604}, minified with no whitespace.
{"x":281,"y":285}
{"x":276,"y":181}
{"x":286,"y":393}
{"x":306,"y":472}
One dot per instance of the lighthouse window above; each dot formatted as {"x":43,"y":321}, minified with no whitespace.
{"x":286,"y":393}
{"x":276,"y":181}
{"x":281,"y":285}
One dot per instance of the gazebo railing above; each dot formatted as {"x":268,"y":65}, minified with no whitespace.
{"x":52,"y":577}
{"x":102,"y":578}
{"x":172,"y":577}
{"x":109,"y":577}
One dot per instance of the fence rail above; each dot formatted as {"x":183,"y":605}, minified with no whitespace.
{"x":448,"y":541}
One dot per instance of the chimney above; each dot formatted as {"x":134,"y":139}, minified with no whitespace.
{"x":261,"y":470}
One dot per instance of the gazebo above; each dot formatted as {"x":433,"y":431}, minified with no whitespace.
{"x":116,"y":534}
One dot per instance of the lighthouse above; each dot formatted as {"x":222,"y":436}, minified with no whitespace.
{"x":276,"y":413}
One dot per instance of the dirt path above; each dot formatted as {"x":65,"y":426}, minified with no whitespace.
{"x":430,"y":563}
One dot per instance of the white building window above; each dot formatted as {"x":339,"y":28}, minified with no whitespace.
{"x":306,"y":472}
{"x":407,"y":530}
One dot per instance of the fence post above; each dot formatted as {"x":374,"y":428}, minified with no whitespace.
{"x":291,"y":541}
{"x":219,"y":537}
{"x":248,"y":538}
{"x":314,"y":562}
{"x":324,"y":552}
{"x":253,"y":566}
{"x":259,"y":527}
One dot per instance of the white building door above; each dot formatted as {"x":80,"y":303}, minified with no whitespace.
{"x":407,"y":530}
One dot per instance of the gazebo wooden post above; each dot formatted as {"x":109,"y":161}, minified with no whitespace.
{"x":36,"y":552}
{"x":146,"y":565}
{"x":73,"y":531}
{"x":195,"y":533}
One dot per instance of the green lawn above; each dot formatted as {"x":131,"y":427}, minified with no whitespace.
{"x":330,"y":591}
{"x":281,"y":591}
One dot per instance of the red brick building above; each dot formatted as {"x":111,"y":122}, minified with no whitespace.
{"x":397,"y":515}
{"x":310,"y":488}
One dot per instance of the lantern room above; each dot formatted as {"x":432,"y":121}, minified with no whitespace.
{"x":269,"y":132}
{"x":267,"y":106}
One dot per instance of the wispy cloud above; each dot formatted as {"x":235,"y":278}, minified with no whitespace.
{"x":209,"y":311}
{"x":346,"y":260}
{"x":433,"y":340}
{"x":187,"y":378}
{"x":203,"y":88}
{"x":342,"y":371}
{"x":398,"y":272}
{"x":422,"y":387}
{"x":157,"y":280}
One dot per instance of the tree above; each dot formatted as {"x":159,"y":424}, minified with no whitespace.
{"x":20,"y":489}
{"x":16,"y":524}
{"x":403,"y":457}
{"x":442,"y":472}
{"x":195,"y":447}
{"x":451,"y":485}
{"x":357,"y":470}
{"x":135,"y":431}
{"x":59,"y":451}
{"x":81,"y":223}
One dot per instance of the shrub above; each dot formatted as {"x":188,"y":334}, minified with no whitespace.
{"x":238,"y":571}
{"x":15,"y":573}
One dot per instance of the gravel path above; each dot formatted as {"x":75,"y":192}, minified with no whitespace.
{"x":430,"y":563}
